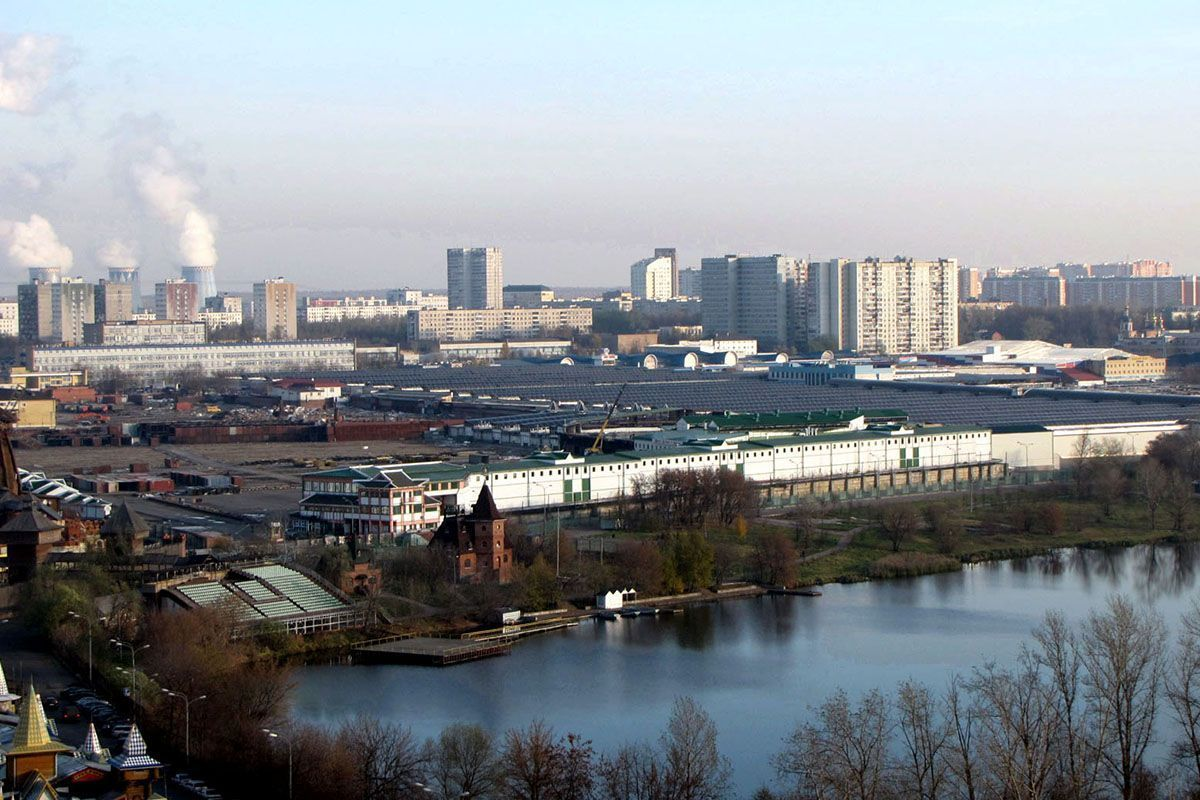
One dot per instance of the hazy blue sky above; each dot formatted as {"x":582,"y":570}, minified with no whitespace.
{"x":348,"y":144}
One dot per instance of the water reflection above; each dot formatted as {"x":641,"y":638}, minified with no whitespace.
{"x":756,"y":665}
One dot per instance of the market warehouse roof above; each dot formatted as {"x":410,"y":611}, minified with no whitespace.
{"x":596,"y":387}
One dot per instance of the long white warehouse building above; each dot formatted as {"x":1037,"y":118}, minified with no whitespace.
{"x":396,"y":498}
{"x":161,"y":360}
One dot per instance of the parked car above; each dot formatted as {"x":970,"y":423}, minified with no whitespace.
{"x":50,"y":702}
{"x":70,"y":714}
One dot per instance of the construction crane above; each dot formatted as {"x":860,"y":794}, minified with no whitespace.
{"x":599,"y":443}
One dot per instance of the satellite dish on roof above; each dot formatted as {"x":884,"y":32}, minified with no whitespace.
{"x":827,"y":356}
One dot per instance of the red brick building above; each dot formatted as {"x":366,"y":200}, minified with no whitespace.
{"x":479,"y":543}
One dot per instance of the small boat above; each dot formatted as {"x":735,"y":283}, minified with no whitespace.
{"x":607,"y":615}
{"x":809,"y":592}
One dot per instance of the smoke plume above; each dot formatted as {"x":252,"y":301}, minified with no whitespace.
{"x":118,"y":254}
{"x":34,"y":244}
{"x":32,"y":180}
{"x":28,"y":64}
{"x":165,"y":183}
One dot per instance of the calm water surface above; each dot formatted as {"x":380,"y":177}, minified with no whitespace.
{"x":757,"y":664}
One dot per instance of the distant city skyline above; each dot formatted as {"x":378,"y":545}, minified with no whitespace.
{"x":346,"y":148}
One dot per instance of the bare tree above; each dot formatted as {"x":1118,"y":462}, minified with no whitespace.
{"x":1124,"y":651}
{"x":961,"y":754}
{"x":1183,"y":693}
{"x":1019,"y":729}
{"x":1152,"y":486}
{"x":693,"y":767}
{"x":1080,"y":732}
{"x":536,"y":765}
{"x":1179,"y":499}
{"x":842,"y":753}
{"x":387,"y":760}
{"x":898,"y":522}
{"x":462,"y":762}
{"x":529,"y":763}
{"x":924,"y":736}
{"x":631,"y":773}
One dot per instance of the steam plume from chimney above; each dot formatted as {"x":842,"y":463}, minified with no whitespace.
{"x":166,"y":184}
{"x":117,"y":254}
{"x":34,"y":244}
{"x":28,"y":65}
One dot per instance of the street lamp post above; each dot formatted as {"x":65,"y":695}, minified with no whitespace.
{"x":133,"y":651}
{"x":288,"y":741}
{"x":187,"y":720}
{"x":546,"y":524}
{"x":88,"y":620}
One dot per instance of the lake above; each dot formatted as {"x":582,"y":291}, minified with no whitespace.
{"x":756,"y":665}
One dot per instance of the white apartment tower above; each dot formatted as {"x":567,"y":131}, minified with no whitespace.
{"x":652,"y":279}
{"x":886,"y":307}
{"x":754,"y":296}
{"x":475,"y":277}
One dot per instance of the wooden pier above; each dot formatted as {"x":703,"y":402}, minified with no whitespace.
{"x":431,"y":651}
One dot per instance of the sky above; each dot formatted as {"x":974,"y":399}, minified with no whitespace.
{"x":347,"y":145}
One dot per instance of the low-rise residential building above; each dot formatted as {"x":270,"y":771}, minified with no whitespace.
{"x":418,"y":298}
{"x":224,"y":310}
{"x":527,"y":295}
{"x":318,"y":309}
{"x":159,"y":361}
{"x":162,"y":331}
{"x":490,"y":351}
{"x":473,"y":325}
{"x":16,"y":377}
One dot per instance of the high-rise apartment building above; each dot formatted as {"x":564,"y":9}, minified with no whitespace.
{"x":970,"y":287}
{"x":1026,"y":290}
{"x":1135,"y":293}
{"x":653,"y":278}
{"x":689,"y":283}
{"x":275,"y":309}
{"x":754,"y":296}
{"x":34,"y":314}
{"x":114,"y":302}
{"x":131,"y":276}
{"x":177,"y":299}
{"x":475,"y":277}
{"x":669,"y":253}
{"x":55,"y":312}
{"x":875,"y":306}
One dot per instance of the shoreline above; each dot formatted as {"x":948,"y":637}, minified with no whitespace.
{"x":554,"y":620}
